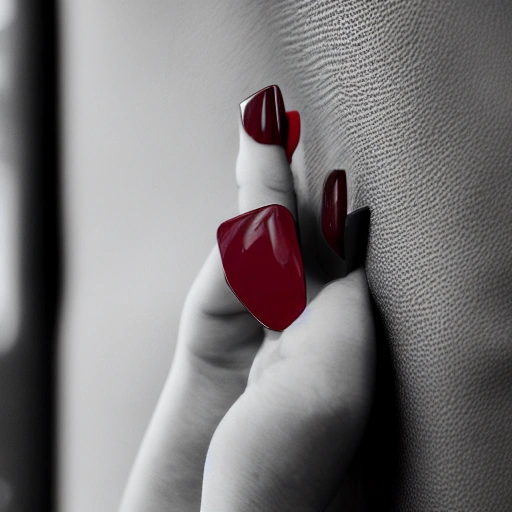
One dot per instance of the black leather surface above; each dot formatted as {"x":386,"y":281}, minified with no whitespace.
{"x":414,"y":100}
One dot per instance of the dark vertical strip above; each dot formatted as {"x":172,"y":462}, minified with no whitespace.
{"x":27,"y":367}
{"x":51,"y":228}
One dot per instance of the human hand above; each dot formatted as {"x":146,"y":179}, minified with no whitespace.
{"x":286,"y":410}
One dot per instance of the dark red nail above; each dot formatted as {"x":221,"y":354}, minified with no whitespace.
{"x":334,"y":210}
{"x":263,"y":264}
{"x":293,"y":133}
{"x":264,"y":117}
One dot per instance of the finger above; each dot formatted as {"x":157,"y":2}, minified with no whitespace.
{"x":338,"y":318}
{"x":215,"y":326}
{"x":210,"y":294}
{"x":260,"y":248}
{"x":263,"y":172}
{"x":343,"y":237}
{"x":287,"y":442}
{"x":268,"y":137}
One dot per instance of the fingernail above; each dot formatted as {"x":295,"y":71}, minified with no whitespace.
{"x":334,"y":210}
{"x":263,"y":264}
{"x":264,"y":117}
{"x":293,"y":133}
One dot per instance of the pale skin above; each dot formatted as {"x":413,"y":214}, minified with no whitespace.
{"x":255,"y":420}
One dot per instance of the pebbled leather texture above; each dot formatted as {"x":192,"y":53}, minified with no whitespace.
{"x":414,"y":99}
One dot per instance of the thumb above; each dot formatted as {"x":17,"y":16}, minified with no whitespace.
{"x":287,"y":442}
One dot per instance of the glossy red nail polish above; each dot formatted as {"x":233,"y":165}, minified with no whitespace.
{"x":263,"y":264}
{"x":264,"y":117}
{"x":293,"y":133}
{"x":266,"y":121}
{"x":334,"y":210}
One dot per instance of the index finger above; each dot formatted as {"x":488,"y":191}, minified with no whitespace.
{"x":263,"y":172}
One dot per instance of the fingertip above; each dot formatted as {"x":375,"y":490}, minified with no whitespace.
{"x":353,"y":287}
{"x":263,"y":172}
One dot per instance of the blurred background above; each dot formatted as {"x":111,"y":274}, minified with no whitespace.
{"x":118,"y":142}
{"x":118,"y":139}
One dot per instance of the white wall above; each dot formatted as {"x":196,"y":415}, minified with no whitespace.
{"x":150,"y":97}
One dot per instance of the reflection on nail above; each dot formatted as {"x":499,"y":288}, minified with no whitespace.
{"x":267,"y":275}
{"x":264,"y":117}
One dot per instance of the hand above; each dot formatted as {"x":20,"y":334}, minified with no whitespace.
{"x":286,"y":410}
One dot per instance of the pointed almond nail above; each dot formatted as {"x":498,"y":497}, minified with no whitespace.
{"x":334,"y":210}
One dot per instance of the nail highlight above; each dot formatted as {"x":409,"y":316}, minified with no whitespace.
{"x":264,"y":117}
{"x":263,"y":264}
